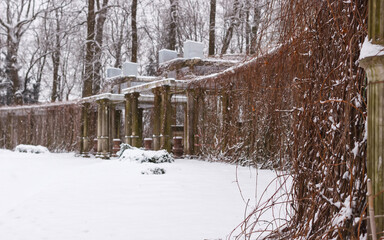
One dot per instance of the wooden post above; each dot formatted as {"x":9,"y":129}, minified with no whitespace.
{"x":376,"y":21}
{"x":111,"y":125}
{"x":165,"y":133}
{"x":85,"y":137}
{"x":185,"y":135}
{"x":117,"y":128}
{"x":191,"y":121}
{"x":105,"y":149}
{"x":371,"y":210}
{"x":135,"y":120}
{"x":99,"y":127}
{"x":140,"y":127}
{"x":128,"y":119}
{"x":374,"y":67}
{"x":156,"y":118}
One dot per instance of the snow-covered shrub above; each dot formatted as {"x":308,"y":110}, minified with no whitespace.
{"x":128,"y":152}
{"x":31,"y":149}
{"x":123,"y":147}
{"x":155,"y":171}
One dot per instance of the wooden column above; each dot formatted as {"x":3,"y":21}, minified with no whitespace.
{"x":99,"y":127}
{"x":374,"y":67}
{"x":165,"y":132}
{"x":85,"y":137}
{"x":135,"y":120}
{"x":128,"y":119}
{"x":117,"y":129}
{"x":376,"y":21}
{"x":111,"y":125}
{"x":105,"y":148}
{"x":156,"y":118}
{"x":185,"y":127}
{"x":140,"y":126}
{"x":191,"y":122}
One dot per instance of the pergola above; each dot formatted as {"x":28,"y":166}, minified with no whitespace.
{"x":159,"y":95}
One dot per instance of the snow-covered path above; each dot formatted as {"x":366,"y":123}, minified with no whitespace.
{"x":61,"y":197}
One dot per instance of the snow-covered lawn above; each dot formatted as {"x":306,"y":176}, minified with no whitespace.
{"x":61,"y":197}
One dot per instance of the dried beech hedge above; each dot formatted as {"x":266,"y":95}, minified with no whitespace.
{"x":56,"y":126}
{"x":301,"y":107}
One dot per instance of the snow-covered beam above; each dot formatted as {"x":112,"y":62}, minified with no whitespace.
{"x":109,"y":96}
{"x":179,"y":84}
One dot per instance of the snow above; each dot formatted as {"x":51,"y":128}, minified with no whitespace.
{"x":355,"y":150}
{"x":370,"y":50}
{"x":193,"y":50}
{"x":31,"y":149}
{"x":113,"y":72}
{"x":37,"y":106}
{"x":130,"y":69}
{"x":166,"y":55}
{"x":59,"y":196}
{"x":344,"y":213}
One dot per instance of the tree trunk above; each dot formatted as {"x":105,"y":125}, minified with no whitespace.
{"x":247,"y":29}
{"x":36,"y":87}
{"x":173,"y":26}
{"x":89,"y":56}
{"x":56,"y":60}
{"x":98,"y":46}
{"x":232,"y":24}
{"x":212,"y":23}
{"x":11,"y":65}
{"x":117,"y":47}
{"x":134,"y":31}
{"x":255,"y":27}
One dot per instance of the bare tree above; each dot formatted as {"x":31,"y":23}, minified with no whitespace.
{"x":101,"y":17}
{"x":58,"y":30}
{"x":56,"y":56}
{"x":134,"y":31}
{"x":35,"y":69}
{"x":90,"y":49}
{"x":233,"y":22}
{"x":247,"y":27}
{"x":255,"y":26}
{"x":191,"y":23}
{"x":118,"y":33}
{"x":15,"y":22}
{"x":212,"y":24}
{"x":173,"y":25}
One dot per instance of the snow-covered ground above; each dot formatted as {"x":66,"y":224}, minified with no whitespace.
{"x":61,"y":197}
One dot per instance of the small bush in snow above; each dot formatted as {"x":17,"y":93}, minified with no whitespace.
{"x":31,"y":149}
{"x":135,"y":154}
{"x":155,"y":171}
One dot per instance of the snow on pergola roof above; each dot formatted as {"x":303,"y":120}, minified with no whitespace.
{"x":179,"y":84}
{"x":143,"y":98}
{"x":110,"y":96}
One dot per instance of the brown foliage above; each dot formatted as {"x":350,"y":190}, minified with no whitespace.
{"x":55,"y":126}
{"x":303,"y":106}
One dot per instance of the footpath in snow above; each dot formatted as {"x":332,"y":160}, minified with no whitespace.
{"x":61,"y":197}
